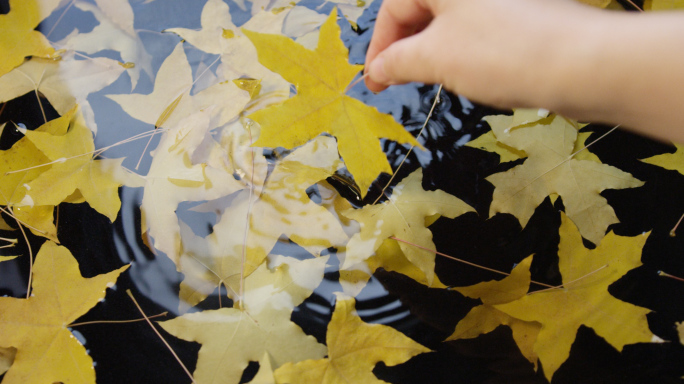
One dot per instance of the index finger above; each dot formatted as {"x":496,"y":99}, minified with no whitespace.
{"x":396,"y":20}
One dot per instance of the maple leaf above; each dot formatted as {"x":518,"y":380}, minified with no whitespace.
{"x":485,"y":318}
{"x":170,"y":101}
{"x":74,"y":170}
{"x":231,"y":337}
{"x":671,"y":161}
{"x":115,"y":32}
{"x":354,"y":347}
{"x":38,"y":327}
{"x":64,"y":83}
{"x":283,"y":208}
{"x":19,"y":37}
{"x":188,"y":165}
{"x":584,"y":299}
{"x":24,"y":155}
{"x":320,"y":77}
{"x":265,"y":374}
{"x":550,"y":169}
{"x":389,"y":257}
{"x":680,"y":330}
{"x":403,"y":216}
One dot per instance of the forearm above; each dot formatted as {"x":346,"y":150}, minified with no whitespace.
{"x":626,"y":68}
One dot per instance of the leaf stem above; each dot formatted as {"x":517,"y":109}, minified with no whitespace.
{"x":464,"y":261}
{"x":116,"y":321}
{"x":672,"y":231}
{"x":432,"y":109}
{"x":664,"y":274}
{"x":128,"y":291}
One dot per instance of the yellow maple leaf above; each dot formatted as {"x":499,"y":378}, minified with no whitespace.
{"x":74,"y":169}
{"x":550,"y":169}
{"x":584,"y":299}
{"x":671,"y":161}
{"x":19,"y":37}
{"x":485,"y":318}
{"x":38,"y":327}
{"x":231,"y":337}
{"x":188,"y":165}
{"x":320,"y":106}
{"x":24,"y":155}
{"x":354,"y":347}
{"x":403,"y":215}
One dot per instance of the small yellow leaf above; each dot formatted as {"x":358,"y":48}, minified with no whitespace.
{"x":354,"y":347}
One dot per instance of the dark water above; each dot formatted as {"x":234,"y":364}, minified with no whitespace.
{"x":132,"y":353}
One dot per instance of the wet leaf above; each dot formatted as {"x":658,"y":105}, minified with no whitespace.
{"x":170,"y":101}
{"x":231,"y":337}
{"x":282,"y":209}
{"x":114,"y":32}
{"x":38,"y":327}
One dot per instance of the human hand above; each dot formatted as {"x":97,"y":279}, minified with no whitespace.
{"x":499,"y":52}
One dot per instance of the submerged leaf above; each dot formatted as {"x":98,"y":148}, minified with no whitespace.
{"x":403,"y":216}
{"x":231,"y":337}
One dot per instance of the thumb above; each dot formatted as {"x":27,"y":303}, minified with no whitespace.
{"x":409,"y":59}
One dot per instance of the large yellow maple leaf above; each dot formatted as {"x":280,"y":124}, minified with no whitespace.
{"x":19,"y":38}
{"x":584,"y":299}
{"x":38,"y":327}
{"x":74,"y":170}
{"x":354,"y":347}
{"x":403,"y":215}
{"x":320,"y":106}
{"x":233,"y":337}
{"x":551,"y":170}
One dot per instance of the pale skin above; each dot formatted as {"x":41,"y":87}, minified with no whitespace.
{"x":590,"y":64}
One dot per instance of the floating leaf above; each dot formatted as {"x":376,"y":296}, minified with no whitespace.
{"x":584,"y":299}
{"x":354,"y":347}
{"x":321,"y":77}
{"x":549,"y":170}
{"x":38,"y":327}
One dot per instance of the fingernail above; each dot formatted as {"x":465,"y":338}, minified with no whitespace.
{"x":377,"y":71}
